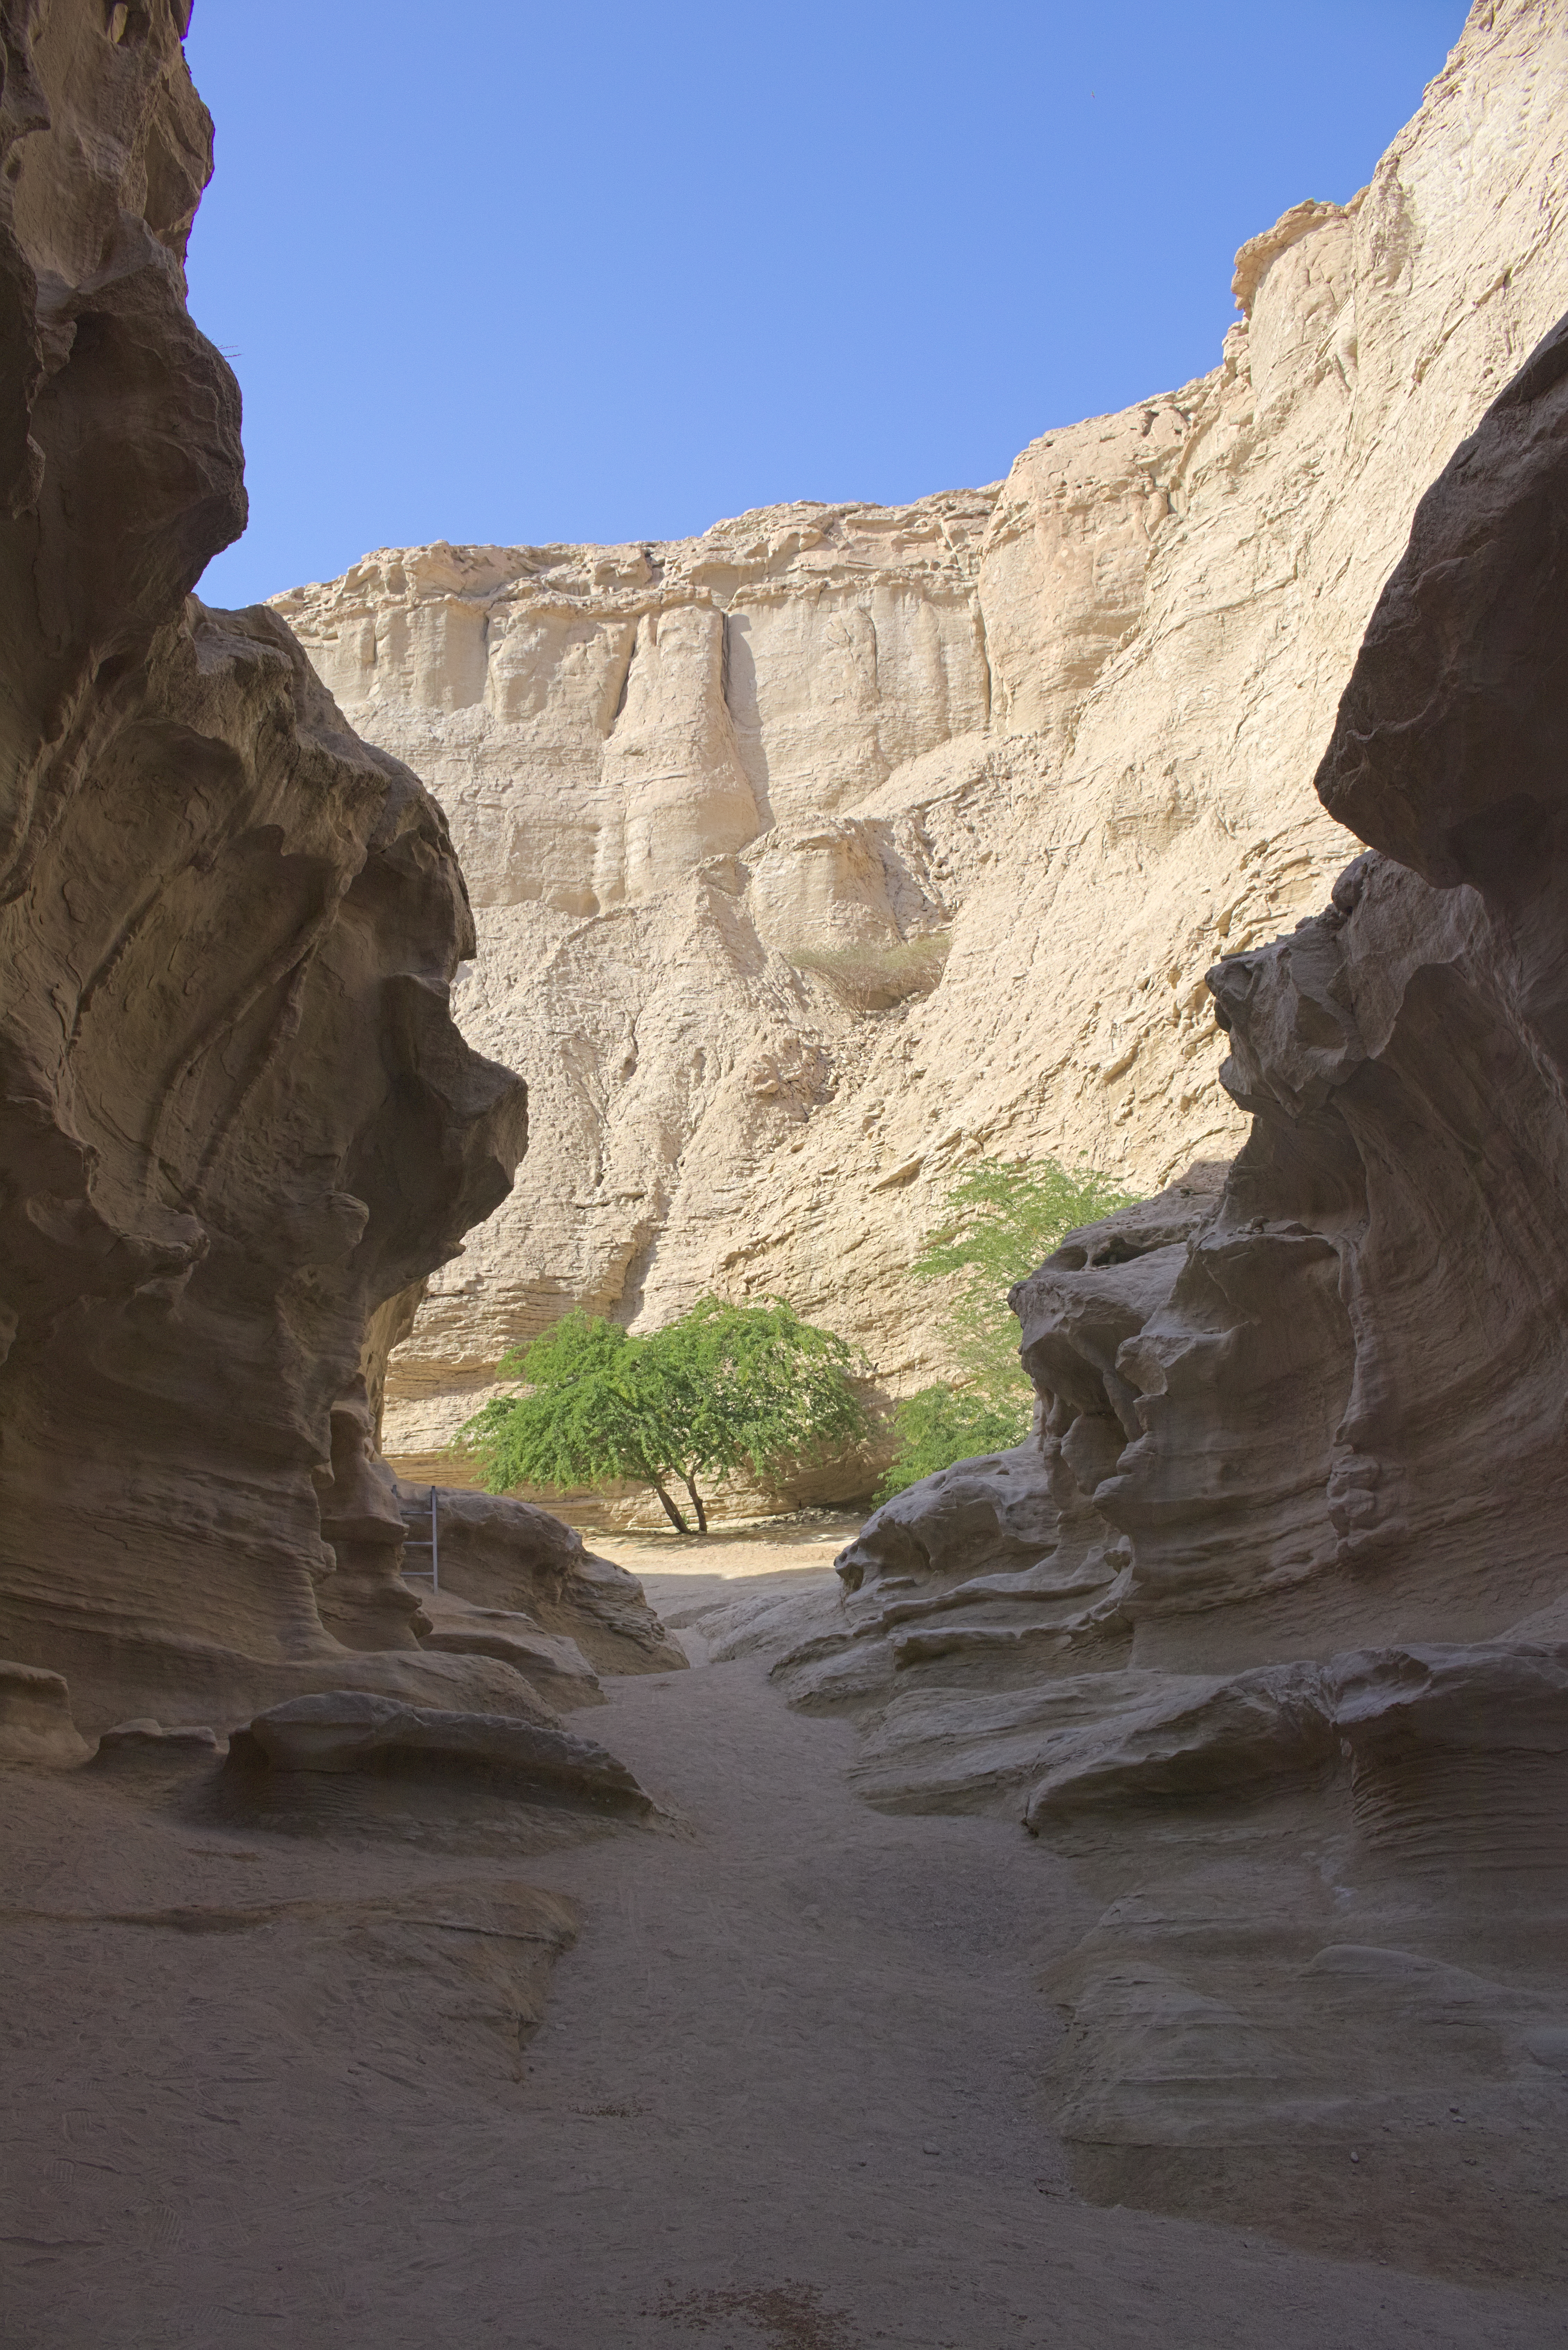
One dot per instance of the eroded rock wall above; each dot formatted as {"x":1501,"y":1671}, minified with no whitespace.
{"x":1267,"y":1626}
{"x":236,"y":1116}
{"x":718,"y":799}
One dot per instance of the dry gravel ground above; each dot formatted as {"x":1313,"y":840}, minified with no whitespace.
{"x":784,"y":2094}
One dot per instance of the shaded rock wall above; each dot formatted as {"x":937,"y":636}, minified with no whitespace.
{"x":1343,"y":1402}
{"x":1267,"y":1626}
{"x":236,"y":1113}
{"x":1066,"y":721}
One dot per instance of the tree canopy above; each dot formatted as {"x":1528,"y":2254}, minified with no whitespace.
{"x":997,"y":1223}
{"x":723,"y":1389}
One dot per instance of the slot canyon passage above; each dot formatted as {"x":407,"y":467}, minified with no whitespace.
{"x":1113,"y":1891}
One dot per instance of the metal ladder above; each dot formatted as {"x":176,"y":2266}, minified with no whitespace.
{"x":420,"y":1574}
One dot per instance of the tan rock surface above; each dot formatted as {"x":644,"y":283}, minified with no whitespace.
{"x":1267,"y":1625}
{"x":237,"y":1121}
{"x":1068,"y":721}
{"x":787,"y":2088}
{"x":508,"y":1563}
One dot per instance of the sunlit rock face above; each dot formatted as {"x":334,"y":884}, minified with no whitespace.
{"x":236,"y":1113}
{"x":1266,"y":1627}
{"x":723,"y":802}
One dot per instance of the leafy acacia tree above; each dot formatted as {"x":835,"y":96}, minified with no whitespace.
{"x":724,"y":1388}
{"x":998,"y":1222}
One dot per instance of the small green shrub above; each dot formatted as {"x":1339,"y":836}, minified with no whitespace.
{"x":941,"y":1425}
{"x":998,"y":1222}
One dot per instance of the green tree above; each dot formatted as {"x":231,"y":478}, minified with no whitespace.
{"x":586,"y":1417}
{"x":724,"y":1388}
{"x":997,"y":1223}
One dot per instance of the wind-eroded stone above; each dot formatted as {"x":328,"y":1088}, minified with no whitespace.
{"x":1291,"y":1652}
{"x":235,"y":1114}
{"x":36,"y":1724}
{"x":348,"y":1730}
{"x":503,"y":1558}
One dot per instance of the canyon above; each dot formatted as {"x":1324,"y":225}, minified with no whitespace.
{"x":1119,"y":1880}
{"x":817,"y":855}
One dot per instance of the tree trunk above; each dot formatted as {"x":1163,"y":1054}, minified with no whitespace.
{"x":670,"y":1512}
{"x":696,"y":1503}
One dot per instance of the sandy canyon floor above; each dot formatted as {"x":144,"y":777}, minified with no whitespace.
{"x":267,"y":2084}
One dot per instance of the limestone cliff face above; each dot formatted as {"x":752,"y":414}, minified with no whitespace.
{"x":722,"y":803}
{"x":235,"y":1114}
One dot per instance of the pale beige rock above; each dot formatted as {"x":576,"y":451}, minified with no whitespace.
{"x":1071,"y":720}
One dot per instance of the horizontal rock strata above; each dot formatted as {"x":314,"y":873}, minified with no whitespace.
{"x":509,"y":1571}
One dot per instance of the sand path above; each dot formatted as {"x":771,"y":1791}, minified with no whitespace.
{"x":785,"y":2093}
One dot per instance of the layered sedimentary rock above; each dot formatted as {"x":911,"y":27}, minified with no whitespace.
{"x":352,"y":1733}
{"x":236,"y":1117}
{"x":1267,"y":1623}
{"x":510,"y":1581}
{"x":724,"y":803}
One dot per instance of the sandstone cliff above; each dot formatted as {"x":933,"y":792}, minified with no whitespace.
{"x":236,"y":1117}
{"x":724,"y":804}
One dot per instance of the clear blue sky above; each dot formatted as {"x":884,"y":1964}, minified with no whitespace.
{"x":516,"y":273}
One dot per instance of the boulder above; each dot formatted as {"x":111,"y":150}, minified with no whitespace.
{"x":510,"y":1558}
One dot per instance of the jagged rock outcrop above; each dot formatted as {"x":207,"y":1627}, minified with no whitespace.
{"x":722,"y":800}
{"x":238,"y":1123}
{"x":1294,"y":1644}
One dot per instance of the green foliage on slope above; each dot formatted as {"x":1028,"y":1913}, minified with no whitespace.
{"x":874,"y":978}
{"x":998,"y":1222}
{"x":942,"y":1424}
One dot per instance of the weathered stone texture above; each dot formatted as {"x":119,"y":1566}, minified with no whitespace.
{"x":236,"y":1117}
{"x":1066,"y":722}
{"x":1268,"y":1623}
